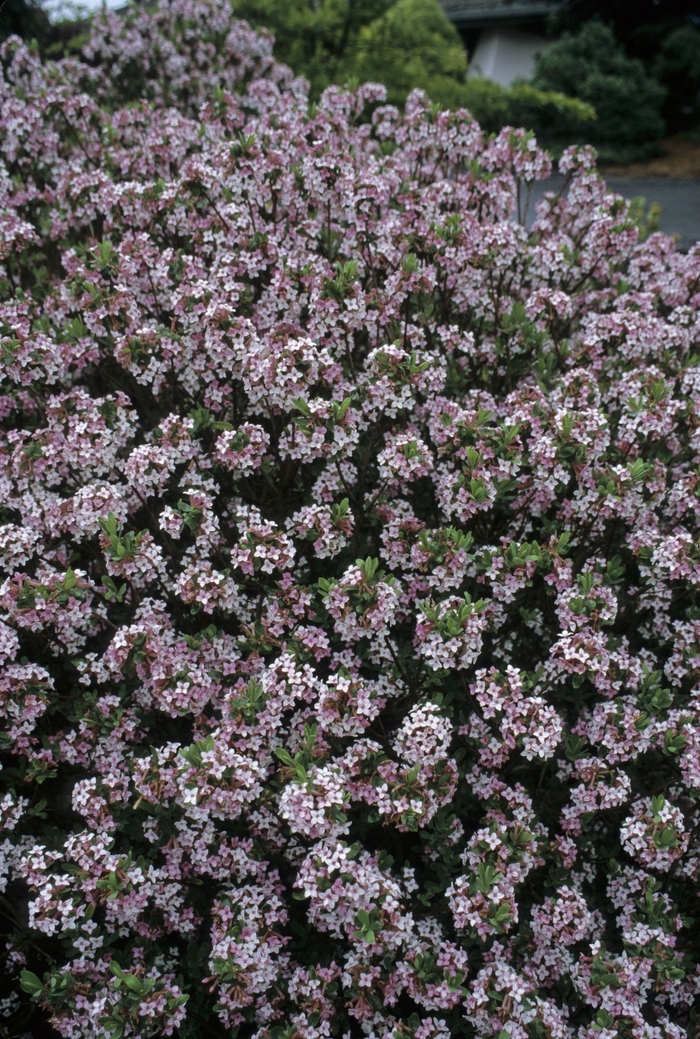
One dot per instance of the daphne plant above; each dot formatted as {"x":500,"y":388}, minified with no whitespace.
{"x":349,"y":615}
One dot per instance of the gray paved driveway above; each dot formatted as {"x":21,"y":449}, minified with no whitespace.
{"x":679,"y":201}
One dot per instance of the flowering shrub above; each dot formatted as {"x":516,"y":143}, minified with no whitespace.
{"x":349,"y":632}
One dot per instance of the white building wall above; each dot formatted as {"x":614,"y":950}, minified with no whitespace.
{"x":505,"y":55}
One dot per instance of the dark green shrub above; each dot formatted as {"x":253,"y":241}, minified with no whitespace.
{"x":24,"y":18}
{"x":592,"y":66}
{"x":678,"y":68}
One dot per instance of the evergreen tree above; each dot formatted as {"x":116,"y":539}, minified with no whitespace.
{"x":24,"y":18}
{"x":591,"y":65}
{"x":413,"y":45}
{"x":678,"y":67}
{"x":314,"y":37}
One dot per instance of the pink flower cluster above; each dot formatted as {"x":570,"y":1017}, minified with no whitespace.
{"x":349,"y":564}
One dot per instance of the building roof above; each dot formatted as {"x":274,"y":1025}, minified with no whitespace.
{"x":490,"y":12}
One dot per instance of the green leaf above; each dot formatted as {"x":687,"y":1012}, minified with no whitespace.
{"x":134,"y":983}
{"x":674,"y":742}
{"x":113,"y":1025}
{"x":30,"y":982}
{"x":301,"y":405}
{"x":563,"y":542}
{"x":657,"y":803}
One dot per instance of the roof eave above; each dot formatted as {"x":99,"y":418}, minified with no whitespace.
{"x":464,"y":13}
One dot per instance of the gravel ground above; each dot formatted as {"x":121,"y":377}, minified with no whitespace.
{"x":679,"y":201}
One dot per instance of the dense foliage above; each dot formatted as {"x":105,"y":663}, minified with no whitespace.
{"x":640,"y":27}
{"x":24,"y":18}
{"x":348,"y":620}
{"x":664,"y":34}
{"x":677,"y":66}
{"x":412,"y":45}
{"x":318,"y":39}
{"x":592,"y":66}
{"x":405,"y":45}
